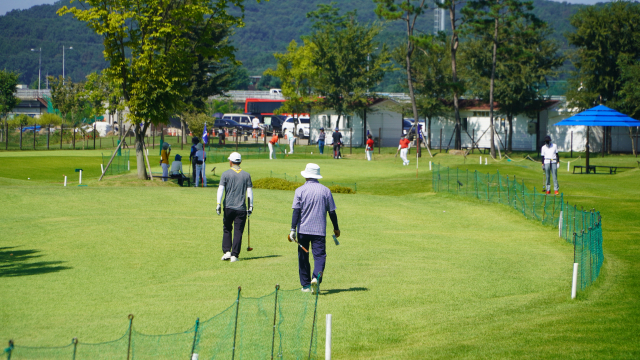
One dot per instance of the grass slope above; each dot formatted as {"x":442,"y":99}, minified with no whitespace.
{"x":416,"y":275}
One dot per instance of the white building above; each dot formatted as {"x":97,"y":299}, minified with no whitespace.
{"x":382,"y":120}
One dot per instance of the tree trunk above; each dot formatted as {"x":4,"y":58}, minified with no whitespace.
{"x":491,"y":86}
{"x":587,"y":150}
{"x":510,"y":137}
{"x":609,"y":139}
{"x":454,"y":74}
{"x":633,"y":143}
{"x":139,"y":132}
{"x":429,"y":132}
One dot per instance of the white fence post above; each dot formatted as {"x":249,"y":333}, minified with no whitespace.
{"x":574,"y":284}
{"x":327,"y":347}
{"x":65,"y":180}
{"x":560,"y":224}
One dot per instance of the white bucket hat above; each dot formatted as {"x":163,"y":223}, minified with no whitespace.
{"x":235,"y":157}
{"x":312,"y":171}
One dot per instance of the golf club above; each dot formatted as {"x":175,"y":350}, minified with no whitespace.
{"x":249,"y":248}
{"x":294,"y":240}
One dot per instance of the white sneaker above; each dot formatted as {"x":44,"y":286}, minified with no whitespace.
{"x":233,"y":259}
{"x":226,"y":256}
{"x":306,"y":289}
{"x":314,"y":285}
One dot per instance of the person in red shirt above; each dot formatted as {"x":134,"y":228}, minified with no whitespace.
{"x":369,"y":148}
{"x":273,"y":141}
{"x":404,"y":146}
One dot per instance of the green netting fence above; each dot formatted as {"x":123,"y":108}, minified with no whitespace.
{"x":278,"y":325}
{"x":119,"y":165}
{"x":582,"y":228}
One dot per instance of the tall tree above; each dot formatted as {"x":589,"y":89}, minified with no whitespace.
{"x":297,"y":73}
{"x":456,"y":22}
{"x":407,"y":11}
{"x":345,"y":56}
{"x":8,"y":99}
{"x":496,"y":21}
{"x":151,"y":47}
{"x":67,"y":97}
{"x":522,"y":69}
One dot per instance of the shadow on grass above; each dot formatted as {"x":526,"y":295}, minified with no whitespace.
{"x":335,"y":291}
{"x":15,"y":262}
{"x":262,"y":257}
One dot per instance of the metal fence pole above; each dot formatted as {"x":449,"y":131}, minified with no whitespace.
{"x":195,"y":336}
{"x":235,"y":328}
{"x":315,"y":310}
{"x":130,"y":328}
{"x":275,"y":313}
{"x":75,"y":347}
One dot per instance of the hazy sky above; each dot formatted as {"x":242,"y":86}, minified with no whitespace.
{"x":8,"y":5}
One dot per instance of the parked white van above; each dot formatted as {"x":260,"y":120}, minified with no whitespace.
{"x":275,"y":91}
{"x":239,"y":118}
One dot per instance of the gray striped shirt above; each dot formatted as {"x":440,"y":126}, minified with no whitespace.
{"x":314,"y":200}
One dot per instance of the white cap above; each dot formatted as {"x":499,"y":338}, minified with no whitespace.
{"x":312,"y":171}
{"x":235,"y":157}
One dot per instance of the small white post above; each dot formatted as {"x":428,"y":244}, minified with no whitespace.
{"x":574,"y":284}
{"x":568,"y":166}
{"x":480,"y":159}
{"x":485,"y":161}
{"x":327,"y":347}
{"x":147,"y":152}
{"x":128,"y":165}
{"x":429,"y":165}
{"x":194,"y":356}
{"x":80,"y":182}
{"x":101,"y":168}
{"x":560,"y":225}
{"x":65,"y":180}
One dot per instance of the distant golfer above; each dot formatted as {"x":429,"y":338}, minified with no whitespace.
{"x":311,"y":203}
{"x":236,"y":185}
{"x":337,"y":141}
{"x":201,"y":158}
{"x":192,"y":158}
{"x":164,"y":160}
{"x":404,"y":146}
{"x":321,"y":138}
{"x":273,"y":141}
{"x":369,"y":147}
{"x":550,"y":160}
{"x":176,"y":170}
{"x":255,"y":123}
{"x":292,"y":140}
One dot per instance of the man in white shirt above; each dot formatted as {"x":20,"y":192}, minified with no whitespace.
{"x":256,"y":126}
{"x":550,"y":160}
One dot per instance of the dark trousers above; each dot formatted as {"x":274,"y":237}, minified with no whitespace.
{"x":318,"y":245}
{"x":193,"y":170}
{"x":233,"y":220}
{"x":321,"y":146}
{"x":336,"y":151}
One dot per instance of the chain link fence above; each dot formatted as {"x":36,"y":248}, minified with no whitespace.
{"x":581,"y":228}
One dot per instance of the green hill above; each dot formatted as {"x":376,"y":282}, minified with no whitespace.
{"x":270,"y":26}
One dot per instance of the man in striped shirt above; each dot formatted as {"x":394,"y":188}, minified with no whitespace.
{"x":311,"y":203}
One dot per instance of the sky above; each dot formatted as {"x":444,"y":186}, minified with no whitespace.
{"x":8,"y":5}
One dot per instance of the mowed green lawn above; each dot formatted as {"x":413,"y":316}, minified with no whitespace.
{"x":417,"y":275}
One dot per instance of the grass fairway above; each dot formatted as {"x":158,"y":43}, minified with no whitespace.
{"x":416,"y":276}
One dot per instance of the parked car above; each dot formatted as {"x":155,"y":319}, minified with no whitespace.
{"x":231,"y":124}
{"x":244,"y":119}
{"x":275,"y":91}
{"x":302,"y":125}
{"x":273,"y":123}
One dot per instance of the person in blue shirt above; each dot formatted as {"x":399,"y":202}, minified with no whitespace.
{"x":192,"y":158}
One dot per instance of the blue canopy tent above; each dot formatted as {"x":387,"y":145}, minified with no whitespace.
{"x":598,"y":116}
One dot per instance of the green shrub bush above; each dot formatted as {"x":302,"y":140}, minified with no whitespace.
{"x":282,"y":184}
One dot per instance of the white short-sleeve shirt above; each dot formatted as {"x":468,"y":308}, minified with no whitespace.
{"x":256,"y":123}
{"x":549,"y":153}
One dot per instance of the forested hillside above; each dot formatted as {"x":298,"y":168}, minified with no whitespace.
{"x":270,"y":26}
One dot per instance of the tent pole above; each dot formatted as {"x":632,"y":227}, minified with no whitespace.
{"x":587,"y":149}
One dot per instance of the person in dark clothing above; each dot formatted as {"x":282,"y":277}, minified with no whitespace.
{"x":337,"y":141}
{"x":192,"y":158}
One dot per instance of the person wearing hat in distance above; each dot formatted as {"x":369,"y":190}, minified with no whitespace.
{"x":201,"y":158}
{"x":311,"y":203}
{"x":337,"y":141}
{"x":292,"y":140}
{"x":192,"y":158}
{"x":176,"y":170}
{"x":550,"y":160}
{"x":235,"y":185}
{"x":321,"y":138}
{"x":404,"y":148}
{"x":164,"y":160}
{"x":273,"y":141}
{"x":369,"y":148}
